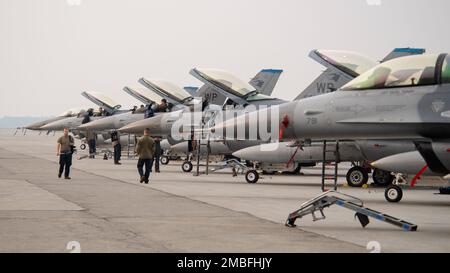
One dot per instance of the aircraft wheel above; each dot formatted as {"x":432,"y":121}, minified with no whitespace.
{"x":382,"y":178}
{"x":164,"y":160}
{"x":252,"y":176}
{"x":393,"y":194}
{"x":297,"y":169}
{"x":357,"y":177}
{"x":187,"y":167}
{"x":83,"y":147}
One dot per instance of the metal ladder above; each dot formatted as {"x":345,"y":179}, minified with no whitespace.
{"x":334,"y":176}
{"x":327,"y":199}
{"x":208,"y":149}
{"x":206,"y":117}
{"x":130,"y":146}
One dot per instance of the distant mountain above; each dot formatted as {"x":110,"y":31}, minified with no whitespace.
{"x":14,"y":122}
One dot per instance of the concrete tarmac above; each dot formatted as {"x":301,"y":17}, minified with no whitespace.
{"x":106,"y":209}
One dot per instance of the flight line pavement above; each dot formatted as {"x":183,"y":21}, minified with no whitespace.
{"x":109,"y":210}
{"x":41,"y":213}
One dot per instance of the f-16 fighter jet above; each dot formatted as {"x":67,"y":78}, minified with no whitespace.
{"x":109,"y":107}
{"x":405,"y":98}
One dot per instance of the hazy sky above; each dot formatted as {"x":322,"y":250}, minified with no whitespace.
{"x":51,"y":51}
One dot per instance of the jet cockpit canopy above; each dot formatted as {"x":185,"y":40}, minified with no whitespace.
{"x":225,"y":81}
{"x":72,"y":112}
{"x":167,"y":89}
{"x":349,"y":62}
{"x":417,"y":70}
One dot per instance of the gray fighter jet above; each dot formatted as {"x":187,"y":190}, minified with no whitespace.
{"x":157,"y":90}
{"x":223,"y":88}
{"x":282,"y":155}
{"x":341,"y":67}
{"x":67,"y":114}
{"x":146,"y":96}
{"x":405,"y":98}
{"x":218,"y":86}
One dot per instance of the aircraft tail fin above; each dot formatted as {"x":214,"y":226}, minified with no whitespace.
{"x":405,"y":51}
{"x":210,"y":94}
{"x":264,"y":82}
{"x":329,"y":81}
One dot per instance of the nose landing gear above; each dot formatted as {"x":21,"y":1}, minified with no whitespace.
{"x":394,"y":192}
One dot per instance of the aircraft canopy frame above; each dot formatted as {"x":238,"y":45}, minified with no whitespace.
{"x":349,"y":62}
{"x":409,"y":71}
{"x":226,"y":81}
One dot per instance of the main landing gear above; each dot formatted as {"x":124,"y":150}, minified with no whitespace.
{"x":358,"y":176}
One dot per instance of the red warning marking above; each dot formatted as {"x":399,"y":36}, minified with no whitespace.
{"x":413,"y":181}
{"x":285,"y":121}
{"x":292,"y":157}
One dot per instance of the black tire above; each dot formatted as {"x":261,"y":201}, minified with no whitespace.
{"x":83,"y":147}
{"x":382,"y":178}
{"x":164,"y":160}
{"x":187,"y":167}
{"x":297,"y":169}
{"x":393,"y":194}
{"x":252,"y":176}
{"x":357,"y":177}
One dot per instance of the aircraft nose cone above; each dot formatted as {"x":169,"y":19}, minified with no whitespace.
{"x":264,"y":152}
{"x":377,"y":165}
{"x":35,"y":126}
{"x":387,"y":163}
{"x":129,"y":129}
{"x":70,"y":123}
{"x":243,"y":154}
{"x":407,"y":163}
{"x":153,"y":124}
{"x":101,"y":124}
{"x":47,"y":127}
{"x":86,"y":126}
{"x":180,"y":147}
{"x":32,"y":127}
